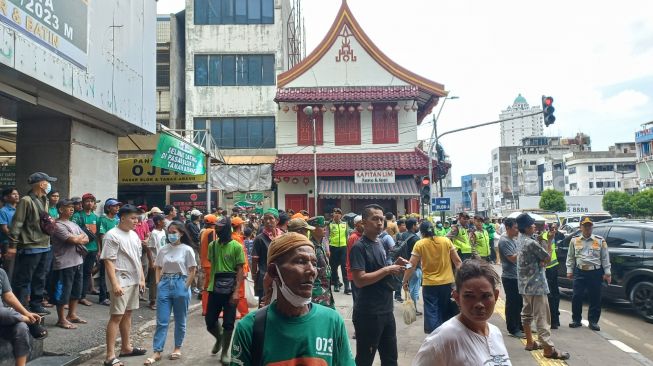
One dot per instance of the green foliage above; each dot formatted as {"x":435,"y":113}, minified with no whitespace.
{"x":553,"y":200}
{"x":618,"y":203}
{"x":642,"y":203}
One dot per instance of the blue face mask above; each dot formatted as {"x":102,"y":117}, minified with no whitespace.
{"x":173,"y":238}
{"x":48,"y":188}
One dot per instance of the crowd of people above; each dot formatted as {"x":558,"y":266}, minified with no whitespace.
{"x":53,"y":248}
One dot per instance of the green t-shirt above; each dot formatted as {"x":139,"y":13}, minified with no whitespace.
{"x":53,"y":212}
{"x":319,"y":335}
{"x":90,"y":221}
{"x":105,"y":223}
{"x":224,"y":258}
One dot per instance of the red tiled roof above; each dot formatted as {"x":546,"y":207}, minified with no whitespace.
{"x":414,"y":162}
{"x":353,"y":94}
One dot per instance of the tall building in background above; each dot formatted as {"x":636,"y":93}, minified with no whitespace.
{"x":597,"y":172}
{"x":170,"y":74}
{"x":644,"y":145}
{"x":513,"y":131}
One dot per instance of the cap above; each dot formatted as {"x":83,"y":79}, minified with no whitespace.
{"x":88,"y":196}
{"x":236,"y":221}
{"x":210,"y":219}
{"x":587,"y":221}
{"x":358,"y":219}
{"x":142,"y":208}
{"x":316,"y":221}
{"x":64,"y":202}
{"x":337,"y":210}
{"x":195,"y":212}
{"x":39,"y":177}
{"x":75,"y":199}
{"x":297,"y":224}
{"x":111,"y":202}
{"x":155,"y":210}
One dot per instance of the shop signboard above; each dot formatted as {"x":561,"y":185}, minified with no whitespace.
{"x":374,"y":176}
{"x":179,"y":156}
{"x":8,"y":176}
{"x":189,"y":199}
{"x":251,"y":197}
{"x":141,"y":171}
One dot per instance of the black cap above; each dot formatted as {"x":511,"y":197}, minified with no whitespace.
{"x":76,"y":199}
{"x":64,"y":202}
{"x":39,"y":177}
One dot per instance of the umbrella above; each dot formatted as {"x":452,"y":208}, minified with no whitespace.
{"x":534,"y":216}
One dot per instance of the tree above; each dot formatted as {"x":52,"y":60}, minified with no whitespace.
{"x":642,"y":203}
{"x":618,"y":203}
{"x":553,"y":200}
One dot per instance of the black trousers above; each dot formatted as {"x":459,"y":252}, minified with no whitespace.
{"x":89,"y":262}
{"x":338,"y":258}
{"x":29,"y":277}
{"x":375,"y":332}
{"x":493,"y":253}
{"x":514,"y":304}
{"x":104,"y":295}
{"x":220,"y":303}
{"x":589,"y":281}
{"x":554,"y":294}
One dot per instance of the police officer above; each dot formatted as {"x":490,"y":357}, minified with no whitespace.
{"x":440,"y":230}
{"x":588,"y":264}
{"x":460,"y":238}
{"x":552,"y":278}
{"x":337,"y":235}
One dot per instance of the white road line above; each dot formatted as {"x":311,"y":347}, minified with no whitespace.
{"x":606,"y":321}
{"x":628,"y":334}
{"x":622,"y":346}
{"x":649,"y":346}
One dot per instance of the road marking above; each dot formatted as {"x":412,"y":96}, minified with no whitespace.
{"x":622,"y":346}
{"x":649,"y":346}
{"x":627,"y":333}
{"x":606,"y":321}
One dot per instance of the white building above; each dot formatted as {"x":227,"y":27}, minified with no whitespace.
{"x":505,"y":179}
{"x":233,"y":56}
{"x":513,"y":131}
{"x":598,"y":172}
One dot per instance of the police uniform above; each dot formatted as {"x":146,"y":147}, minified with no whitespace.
{"x":337,"y":234}
{"x":588,"y":261}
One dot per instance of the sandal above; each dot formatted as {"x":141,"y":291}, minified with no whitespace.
{"x":113,"y":362}
{"x":151,"y":360}
{"x":534,"y":347}
{"x":37,"y":331}
{"x":134,"y":352}
{"x":558,"y":355}
{"x":175,"y":356}
{"x":66,"y":326}
{"x":78,"y":321}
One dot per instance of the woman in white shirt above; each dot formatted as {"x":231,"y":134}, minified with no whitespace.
{"x":175,"y":270}
{"x":468,"y":339}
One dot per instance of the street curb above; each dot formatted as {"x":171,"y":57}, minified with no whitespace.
{"x":90,"y":353}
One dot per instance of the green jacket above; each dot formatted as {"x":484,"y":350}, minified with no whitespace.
{"x":25,"y":231}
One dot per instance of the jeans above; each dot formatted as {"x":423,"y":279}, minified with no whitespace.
{"x":338,"y":259}
{"x":173,"y":296}
{"x":87,"y":279}
{"x":590,"y":281}
{"x":29,"y":277}
{"x":375,"y":332}
{"x":102,"y":282}
{"x":414,"y":285}
{"x":493,"y":253}
{"x":554,"y":294}
{"x":436,"y":306}
{"x":514,"y":304}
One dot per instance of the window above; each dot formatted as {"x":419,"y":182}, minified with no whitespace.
{"x":604,"y":168}
{"x":163,"y":75}
{"x":234,"y":11}
{"x":230,"y":70}
{"x":241,"y":133}
{"x":591,"y":184}
{"x":305,"y":128}
{"x":626,"y":168}
{"x":385,"y":124}
{"x":648,"y":239}
{"x":624,"y":237}
{"x":590,"y":168}
{"x":573,"y":186}
{"x":605,"y":185}
{"x":572,"y":170}
{"x":347,"y":126}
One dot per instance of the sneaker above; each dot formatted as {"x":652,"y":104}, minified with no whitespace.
{"x":575,"y":325}
{"x":347,"y":291}
{"x":40,"y":310}
{"x":399,"y":299}
{"x":105,"y":302}
{"x":595,"y":326}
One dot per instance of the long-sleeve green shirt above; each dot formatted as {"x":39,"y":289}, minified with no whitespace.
{"x":25,"y":231}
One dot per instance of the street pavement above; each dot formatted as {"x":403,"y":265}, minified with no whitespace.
{"x":586,"y":347}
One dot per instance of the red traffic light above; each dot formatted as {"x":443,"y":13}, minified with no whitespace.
{"x":426,"y":181}
{"x":548,"y":101}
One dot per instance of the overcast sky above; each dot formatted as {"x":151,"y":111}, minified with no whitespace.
{"x":595,"y":58}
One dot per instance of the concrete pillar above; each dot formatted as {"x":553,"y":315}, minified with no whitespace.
{"x":83,"y":158}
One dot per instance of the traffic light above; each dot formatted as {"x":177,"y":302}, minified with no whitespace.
{"x":440,"y":151}
{"x":425,"y":192}
{"x":547,"y":110}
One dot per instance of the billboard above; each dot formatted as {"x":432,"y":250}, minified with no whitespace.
{"x":141,"y":171}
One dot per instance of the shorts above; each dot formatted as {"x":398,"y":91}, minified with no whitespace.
{"x":128,"y":300}
{"x":66,"y":284}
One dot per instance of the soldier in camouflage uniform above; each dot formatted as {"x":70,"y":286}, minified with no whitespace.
{"x":321,"y":287}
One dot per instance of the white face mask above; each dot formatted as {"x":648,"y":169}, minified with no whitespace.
{"x":294,"y":299}
{"x":48,"y":188}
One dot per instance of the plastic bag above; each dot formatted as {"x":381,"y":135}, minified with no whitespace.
{"x":408,"y":310}
{"x":252,"y":300}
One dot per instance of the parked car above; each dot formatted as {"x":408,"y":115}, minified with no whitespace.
{"x":630,"y":245}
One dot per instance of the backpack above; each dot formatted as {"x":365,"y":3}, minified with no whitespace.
{"x":401,"y":247}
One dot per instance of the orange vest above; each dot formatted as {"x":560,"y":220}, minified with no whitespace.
{"x":204,"y":246}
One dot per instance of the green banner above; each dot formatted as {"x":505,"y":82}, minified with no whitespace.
{"x":249,"y":197}
{"x":179,"y":156}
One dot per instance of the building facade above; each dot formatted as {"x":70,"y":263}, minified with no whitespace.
{"x":505,"y":178}
{"x":598,"y":172}
{"x":364,"y":112}
{"x":644,"y":147}
{"x":474,"y":192}
{"x":170,"y":70}
{"x":513,"y":131}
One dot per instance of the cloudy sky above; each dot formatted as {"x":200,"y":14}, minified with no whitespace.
{"x":594,"y":57}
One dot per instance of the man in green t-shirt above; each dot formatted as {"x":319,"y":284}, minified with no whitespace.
{"x":105,"y":223}
{"x":295,"y":331}
{"x":87,"y":219}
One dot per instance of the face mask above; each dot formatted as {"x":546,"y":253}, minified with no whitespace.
{"x":48,"y":188}
{"x":294,"y":299}
{"x":173,"y":238}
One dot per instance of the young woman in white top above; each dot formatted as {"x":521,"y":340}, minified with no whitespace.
{"x":175,"y":270}
{"x":468,"y":339}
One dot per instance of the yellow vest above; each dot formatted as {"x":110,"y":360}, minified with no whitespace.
{"x":461,"y":241}
{"x":482,"y":243}
{"x":554,"y":255}
{"x":338,"y":234}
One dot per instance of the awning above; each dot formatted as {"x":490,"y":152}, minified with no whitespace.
{"x":335,"y":188}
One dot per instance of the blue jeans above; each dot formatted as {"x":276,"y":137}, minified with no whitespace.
{"x":414,"y":285}
{"x":436,"y":306}
{"x":172,"y":296}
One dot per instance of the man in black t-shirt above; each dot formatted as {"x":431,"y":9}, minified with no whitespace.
{"x":373,"y":316}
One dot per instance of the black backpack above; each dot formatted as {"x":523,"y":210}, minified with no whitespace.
{"x":401,"y":247}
